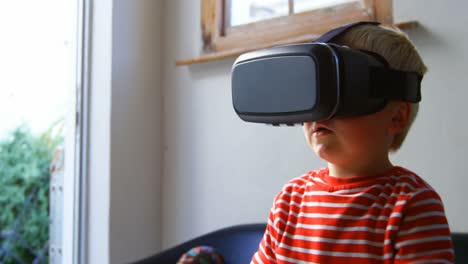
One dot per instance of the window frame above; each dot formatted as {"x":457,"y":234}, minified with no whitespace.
{"x":293,"y":28}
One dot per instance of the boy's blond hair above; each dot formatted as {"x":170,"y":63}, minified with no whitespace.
{"x":394,"y":45}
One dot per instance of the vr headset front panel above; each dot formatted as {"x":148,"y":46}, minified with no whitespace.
{"x":286,"y":85}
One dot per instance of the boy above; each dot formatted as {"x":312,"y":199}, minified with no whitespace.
{"x":361,"y":208}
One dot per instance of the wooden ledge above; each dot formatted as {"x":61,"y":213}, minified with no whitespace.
{"x":237,"y":52}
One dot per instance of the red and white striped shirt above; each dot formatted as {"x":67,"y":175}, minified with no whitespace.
{"x":391,"y":218}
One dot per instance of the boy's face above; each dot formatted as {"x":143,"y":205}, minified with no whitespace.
{"x":344,"y":141}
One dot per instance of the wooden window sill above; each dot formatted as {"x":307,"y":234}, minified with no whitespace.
{"x":236,"y":52}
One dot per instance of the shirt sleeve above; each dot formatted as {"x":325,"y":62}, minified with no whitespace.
{"x":266,"y":250}
{"x":424,"y":233}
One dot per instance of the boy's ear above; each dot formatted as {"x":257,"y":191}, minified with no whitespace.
{"x":400,"y":117}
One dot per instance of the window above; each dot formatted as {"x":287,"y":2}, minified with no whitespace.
{"x":38,"y":131}
{"x":235,"y":26}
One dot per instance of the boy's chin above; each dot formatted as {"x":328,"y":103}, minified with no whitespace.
{"x":330,"y":153}
{"x":324,"y":152}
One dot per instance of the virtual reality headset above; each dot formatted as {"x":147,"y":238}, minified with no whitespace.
{"x":315,"y":81}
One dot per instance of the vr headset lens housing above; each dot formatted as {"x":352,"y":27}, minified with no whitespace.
{"x":290,"y":89}
{"x":315,"y":81}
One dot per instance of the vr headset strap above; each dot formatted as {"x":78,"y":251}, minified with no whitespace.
{"x":330,"y":35}
{"x":389,"y":84}
{"x":395,"y":85}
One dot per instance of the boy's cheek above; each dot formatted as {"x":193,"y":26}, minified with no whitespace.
{"x":307,"y":126}
{"x":307,"y":129}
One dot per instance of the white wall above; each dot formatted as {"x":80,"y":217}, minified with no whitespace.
{"x":135,"y":130}
{"x":125,"y":131}
{"x":438,"y":143}
{"x":219,"y":171}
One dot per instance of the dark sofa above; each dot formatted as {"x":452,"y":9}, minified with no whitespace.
{"x":237,"y":244}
